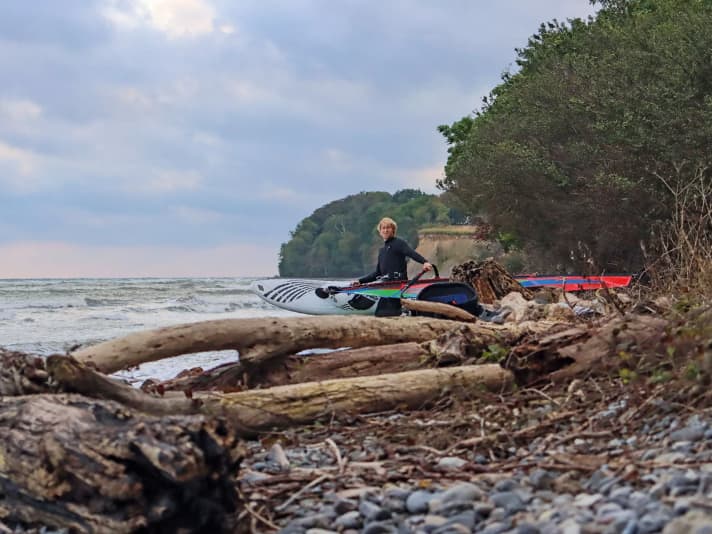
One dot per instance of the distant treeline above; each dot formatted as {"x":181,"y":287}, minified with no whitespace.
{"x":340,"y":238}
{"x":595,"y":155}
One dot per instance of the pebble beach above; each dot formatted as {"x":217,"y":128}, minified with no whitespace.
{"x":595,"y":457}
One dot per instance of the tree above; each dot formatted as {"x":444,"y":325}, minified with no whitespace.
{"x":577,"y":153}
{"x":340,"y":238}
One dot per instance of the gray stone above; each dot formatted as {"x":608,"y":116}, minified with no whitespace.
{"x":609,"y":485}
{"x":688,"y":433}
{"x":379,"y":528}
{"x":607,"y":511}
{"x":570,"y":526}
{"x":652,"y":522}
{"x":432,"y":521}
{"x":466,"y":519}
{"x":463,"y":492}
{"x":619,"y":520}
{"x":418,"y":501}
{"x":693,"y":522}
{"x":254,"y":476}
{"x":394,"y":505}
{"x":349,"y":520}
{"x":682,"y":446}
{"x":541,"y":479}
{"x":320,"y":531}
{"x":509,"y":500}
{"x":314,"y":521}
{"x":631,"y":527}
{"x":649,"y":454}
{"x":397,"y":493}
{"x":373,"y":512}
{"x":658,"y":490}
{"x":620,"y":495}
{"x":527,"y":528}
{"x":506,"y":484}
{"x":451,"y":463}
{"x":638,"y":501}
{"x":563,"y":499}
{"x":483,"y":509}
{"x":585,"y":500}
{"x":681,"y":506}
{"x":345,"y":505}
{"x":495,"y":528}
{"x":498,"y":514}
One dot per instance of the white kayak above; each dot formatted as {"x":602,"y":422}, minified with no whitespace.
{"x":299,"y":295}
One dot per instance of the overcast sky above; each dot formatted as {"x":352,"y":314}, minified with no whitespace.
{"x":189,"y":137}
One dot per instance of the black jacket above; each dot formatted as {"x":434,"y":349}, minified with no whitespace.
{"x":391,"y":260}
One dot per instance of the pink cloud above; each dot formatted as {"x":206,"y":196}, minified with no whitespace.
{"x":42,"y":259}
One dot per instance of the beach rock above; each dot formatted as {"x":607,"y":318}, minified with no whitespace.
{"x":693,"y":522}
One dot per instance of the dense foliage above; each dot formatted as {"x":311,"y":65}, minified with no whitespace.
{"x":587,"y":150}
{"x":340,"y":238}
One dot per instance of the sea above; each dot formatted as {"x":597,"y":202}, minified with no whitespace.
{"x":51,"y":316}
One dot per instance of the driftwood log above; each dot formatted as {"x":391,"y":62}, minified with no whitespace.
{"x":490,"y":280}
{"x":283,"y":406}
{"x":69,"y":462}
{"x":261,"y":339}
{"x":464,"y":341}
{"x":439,"y":308}
{"x":23,"y":374}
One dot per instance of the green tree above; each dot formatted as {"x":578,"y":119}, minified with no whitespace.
{"x":583,"y":152}
{"x":340,"y":238}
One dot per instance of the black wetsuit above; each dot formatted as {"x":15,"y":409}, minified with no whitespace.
{"x":391,"y":260}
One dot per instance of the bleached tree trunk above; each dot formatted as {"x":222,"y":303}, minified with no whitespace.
{"x":263,"y":338}
{"x":289,"y":405}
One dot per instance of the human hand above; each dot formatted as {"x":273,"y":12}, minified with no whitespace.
{"x":355,"y":283}
{"x":427,"y":266}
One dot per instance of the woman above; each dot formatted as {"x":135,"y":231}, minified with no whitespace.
{"x":392,"y":256}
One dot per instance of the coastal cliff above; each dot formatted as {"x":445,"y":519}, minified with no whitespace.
{"x":447,"y":246}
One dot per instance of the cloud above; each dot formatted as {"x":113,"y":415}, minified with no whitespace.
{"x":17,"y":169}
{"x":167,"y":181}
{"x":193,"y":215}
{"x":41,"y":259}
{"x":19,"y":110}
{"x":175,"y":18}
{"x":194,"y":123}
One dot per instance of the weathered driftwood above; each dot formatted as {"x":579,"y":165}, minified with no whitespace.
{"x":618,"y":337}
{"x":455,"y":346}
{"x":574,"y":351}
{"x":22,"y":374}
{"x":69,"y":462}
{"x":490,"y":280}
{"x":260,"y":339}
{"x":74,"y":377}
{"x":368,"y":361}
{"x":283,"y":406}
{"x":439,"y":308}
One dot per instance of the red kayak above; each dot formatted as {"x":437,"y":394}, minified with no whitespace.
{"x":574,"y":282}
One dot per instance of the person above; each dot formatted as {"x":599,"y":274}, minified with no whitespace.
{"x":392,"y":256}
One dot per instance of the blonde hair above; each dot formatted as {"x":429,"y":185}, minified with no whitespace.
{"x":388,"y":222}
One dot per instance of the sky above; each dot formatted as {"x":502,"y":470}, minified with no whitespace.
{"x":189,"y":137}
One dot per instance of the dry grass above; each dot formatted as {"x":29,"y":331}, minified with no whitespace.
{"x":683,"y":267}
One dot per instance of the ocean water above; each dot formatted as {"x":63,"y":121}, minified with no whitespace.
{"x":49,"y":316}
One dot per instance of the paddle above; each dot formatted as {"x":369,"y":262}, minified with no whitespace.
{"x":417,"y":277}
